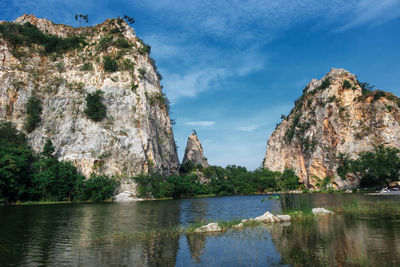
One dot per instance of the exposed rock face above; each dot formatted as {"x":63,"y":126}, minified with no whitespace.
{"x":135,"y":136}
{"x":194,"y":151}
{"x":331,"y":118}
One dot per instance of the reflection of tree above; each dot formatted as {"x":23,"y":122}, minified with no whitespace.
{"x":337,"y":241}
{"x":196,"y":244}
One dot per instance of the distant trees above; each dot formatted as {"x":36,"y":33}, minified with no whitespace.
{"x":25,"y":175}
{"x":374,"y":168}
{"x":129,"y":19}
{"x":81,"y":17}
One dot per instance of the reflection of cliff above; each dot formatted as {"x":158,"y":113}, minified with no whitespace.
{"x":82,"y":234}
{"x":338,"y":241}
{"x":196,"y":243}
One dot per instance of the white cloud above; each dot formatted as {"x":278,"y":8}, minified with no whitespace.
{"x":248,"y":128}
{"x":200,"y":123}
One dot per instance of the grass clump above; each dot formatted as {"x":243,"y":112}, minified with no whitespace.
{"x":292,"y":203}
{"x":87,"y":67}
{"x":377,"y":209}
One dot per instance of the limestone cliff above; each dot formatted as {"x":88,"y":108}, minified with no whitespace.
{"x":194,"y":151}
{"x":136,"y":133}
{"x":335,"y":115}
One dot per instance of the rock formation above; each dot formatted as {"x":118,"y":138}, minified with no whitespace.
{"x":136,"y":133}
{"x":194,"y":151}
{"x":335,"y":115}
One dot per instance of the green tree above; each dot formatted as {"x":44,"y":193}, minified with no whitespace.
{"x":378,"y":167}
{"x":33,"y":110}
{"x":288,"y":180}
{"x":48,"y":148}
{"x":15,"y":160}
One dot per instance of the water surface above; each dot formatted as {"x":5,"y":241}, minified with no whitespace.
{"x":84,"y":235}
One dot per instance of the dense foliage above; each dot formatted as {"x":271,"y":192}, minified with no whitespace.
{"x":27,"y":34}
{"x":95,"y":109}
{"x":374,"y":168}
{"x":231,"y":180}
{"x":25,"y":175}
{"x":33,"y":110}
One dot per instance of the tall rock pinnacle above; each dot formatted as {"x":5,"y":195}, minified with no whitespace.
{"x":194,"y":151}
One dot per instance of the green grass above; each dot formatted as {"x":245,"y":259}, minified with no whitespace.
{"x":378,"y":209}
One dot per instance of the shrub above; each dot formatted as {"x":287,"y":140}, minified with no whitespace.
{"x":128,"y":65}
{"x":366,"y":88}
{"x":33,"y":109}
{"x":87,"y":67}
{"x":95,"y":109}
{"x":110,"y":64}
{"x":122,"y":43}
{"x":142,"y":73}
{"x":98,"y":188}
{"x":325,"y":84}
{"x":134,"y":87}
{"x":346,"y":84}
{"x":104,"y":43}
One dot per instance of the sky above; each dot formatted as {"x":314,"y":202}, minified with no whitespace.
{"x":231,"y":68}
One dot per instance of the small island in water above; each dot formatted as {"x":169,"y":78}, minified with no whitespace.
{"x":85,"y":124}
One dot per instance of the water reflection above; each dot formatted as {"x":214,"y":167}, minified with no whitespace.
{"x":339,"y":241}
{"x":88,"y":235}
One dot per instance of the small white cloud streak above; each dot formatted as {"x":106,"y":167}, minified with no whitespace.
{"x":248,"y":128}
{"x":200,"y":123}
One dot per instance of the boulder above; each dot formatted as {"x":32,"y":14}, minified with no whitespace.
{"x":267,"y":218}
{"x":321,"y":211}
{"x":211,"y":227}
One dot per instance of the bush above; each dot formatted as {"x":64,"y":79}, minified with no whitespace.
{"x":122,"y":43}
{"x":95,"y":109}
{"x":142,"y":73}
{"x":104,"y":43}
{"x":98,"y":188}
{"x":87,"y":67}
{"x":110,"y":64}
{"x":346,"y":84}
{"x":33,"y":109}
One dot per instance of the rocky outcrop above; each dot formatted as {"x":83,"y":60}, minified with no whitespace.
{"x":136,"y":134}
{"x":194,"y":151}
{"x":335,"y":115}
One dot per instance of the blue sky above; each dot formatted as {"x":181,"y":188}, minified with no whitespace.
{"x":231,"y":68}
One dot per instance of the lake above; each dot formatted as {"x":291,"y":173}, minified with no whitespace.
{"x":111,"y":234}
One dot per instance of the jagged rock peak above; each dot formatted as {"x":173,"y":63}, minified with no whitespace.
{"x":335,"y":115}
{"x":108,"y":59}
{"x":194,"y":151}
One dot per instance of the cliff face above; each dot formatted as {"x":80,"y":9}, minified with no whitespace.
{"x":194,"y":151}
{"x":136,"y":133}
{"x":333,"y":116}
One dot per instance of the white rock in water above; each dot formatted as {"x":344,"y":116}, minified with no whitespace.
{"x":283,"y":218}
{"x":321,"y":211}
{"x":267,"y":217}
{"x":211,"y":227}
{"x":240,"y":225}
